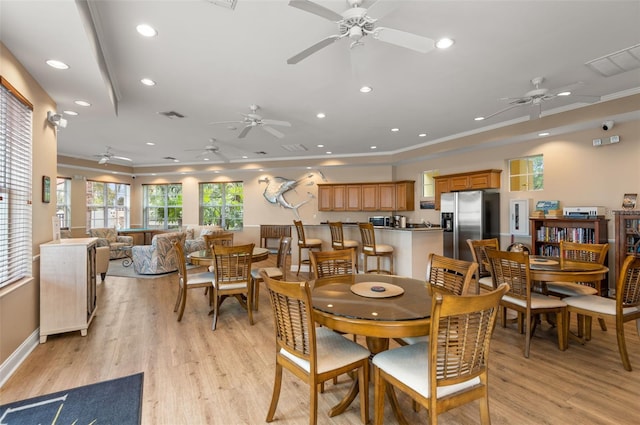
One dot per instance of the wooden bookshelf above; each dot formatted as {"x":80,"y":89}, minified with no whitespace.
{"x":546,"y":233}
{"x":627,"y":227}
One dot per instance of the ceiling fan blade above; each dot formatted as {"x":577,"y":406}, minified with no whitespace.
{"x":103,"y":160}
{"x":276,"y":122}
{"x":122,"y":158}
{"x":382,"y":8}
{"x":311,"y":50}
{"x":223,"y":157}
{"x":404,"y":39}
{"x":273,"y":131}
{"x":245,"y":131}
{"x":316,"y":9}
{"x":500,"y":111}
{"x":225,"y":122}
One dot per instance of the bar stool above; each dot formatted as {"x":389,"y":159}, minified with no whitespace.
{"x":305,"y":243}
{"x":371,"y":249}
{"x":338,"y":241}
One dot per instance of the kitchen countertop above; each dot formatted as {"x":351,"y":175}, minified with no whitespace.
{"x":405,"y":229}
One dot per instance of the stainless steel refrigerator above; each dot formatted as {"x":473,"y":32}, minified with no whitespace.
{"x":466,"y":215}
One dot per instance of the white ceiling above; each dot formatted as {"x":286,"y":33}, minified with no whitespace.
{"x":210,"y":63}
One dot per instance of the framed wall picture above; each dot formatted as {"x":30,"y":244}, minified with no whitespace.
{"x":629,"y":201}
{"x":46,"y":189}
{"x":519,"y":217}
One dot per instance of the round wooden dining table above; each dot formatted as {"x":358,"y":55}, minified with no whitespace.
{"x":372,"y":313}
{"x":205,"y":258}
{"x":548,"y":269}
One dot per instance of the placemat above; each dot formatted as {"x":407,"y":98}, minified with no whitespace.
{"x":376,"y":289}
{"x":542,"y":261}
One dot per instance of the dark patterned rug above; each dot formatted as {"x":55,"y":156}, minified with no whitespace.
{"x":118,"y":401}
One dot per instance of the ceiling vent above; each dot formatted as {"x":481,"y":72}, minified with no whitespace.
{"x":229,"y":4}
{"x":170,"y":158}
{"x":617,"y":62}
{"x":260,"y":153}
{"x":171,"y":114}
{"x":294,"y":148}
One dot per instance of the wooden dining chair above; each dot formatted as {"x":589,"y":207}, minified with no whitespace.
{"x":305,"y":243}
{"x":278,"y":272}
{"x":624,"y":308}
{"x":314,"y":355}
{"x":445,"y":275}
{"x":218,"y":238}
{"x":338,"y":241}
{"x":188,"y":281}
{"x":232,"y":277}
{"x":483,"y":275}
{"x":447,"y":372}
{"x":372,"y":249}
{"x":512,"y":268}
{"x":325,"y":264}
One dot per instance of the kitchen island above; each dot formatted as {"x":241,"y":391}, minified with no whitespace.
{"x":411,"y":246}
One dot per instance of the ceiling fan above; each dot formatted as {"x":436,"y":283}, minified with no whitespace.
{"x":209,"y":151}
{"x":538,"y":96}
{"x":355,"y":24}
{"x":252,"y":120}
{"x":108,"y":156}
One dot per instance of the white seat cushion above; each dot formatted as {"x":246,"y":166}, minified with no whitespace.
{"x":381,"y":248}
{"x":348,"y":243}
{"x":197,"y":278}
{"x":272,"y":272}
{"x":486,"y":282}
{"x":410,"y":365}
{"x":311,"y":241}
{"x":334,"y":351}
{"x":597,"y":304}
{"x":569,"y":289}
{"x":410,"y":340}
{"x":537,"y":301}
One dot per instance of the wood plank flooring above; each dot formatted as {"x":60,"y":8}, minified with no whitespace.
{"x":193,"y":375}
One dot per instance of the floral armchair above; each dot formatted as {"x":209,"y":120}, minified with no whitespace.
{"x":108,"y":236}
{"x":159,"y":257}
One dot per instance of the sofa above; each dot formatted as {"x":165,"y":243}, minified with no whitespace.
{"x":102,"y":255}
{"x":108,"y":236}
{"x":159,"y":257}
{"x":195,"y":236}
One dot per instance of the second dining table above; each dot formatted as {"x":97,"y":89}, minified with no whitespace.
{"x":375,"y":306}
{"x":205,"y":257}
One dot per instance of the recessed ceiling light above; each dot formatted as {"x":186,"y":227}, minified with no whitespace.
{"x":146,"y":30}
{"x":320,"y":115}
{"x":546,"y":133}
{"x":153,"y":174}
{"x":308,"y":168}
{"x":57,"y":64}
{"x":329,"y":152}
{"x":478,"y":118}
{"x":176,"y":160}
{"x":148,"y":82}
{"x":395,"y":129}
{"x":244,"y":157}
{"x":217,"y":171}
{"x":366,"y":89}
{"x":373,"y":147}
{"x":150,"y":144}
{"x":444,"y":43}
{"x":205,"y":159}
{"x":320,"y":146}
{"x":82,"y":103}
{"x":422,"y":135}
{"x":564,"y":93}
{"x":74,"y":113}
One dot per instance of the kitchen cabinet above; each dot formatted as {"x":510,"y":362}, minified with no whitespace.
{"x":384,"y":196}
{"x":627,"y":227}
{"x":67,"y":286}
{"x":484,"y":179}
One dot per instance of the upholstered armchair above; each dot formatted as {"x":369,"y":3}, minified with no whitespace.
{"x":159,"y":257}
{"x":108,"y":236}
{"x":102,"y":255}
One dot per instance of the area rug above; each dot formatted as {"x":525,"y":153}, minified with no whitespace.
{"x":117,"y":269}
{"x":118,"y":401}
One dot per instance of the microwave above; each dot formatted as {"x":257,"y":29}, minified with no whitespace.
{"x":380,"y":220}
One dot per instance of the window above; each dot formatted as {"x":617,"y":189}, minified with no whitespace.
{"x":222,"y":204}
{"x":162,"y":206}
{"x":526,"y":174}
{"x":15,"y":185}
{"x":428,"y":188}
{"x":108,"y":205}
{"x":63,"y":202}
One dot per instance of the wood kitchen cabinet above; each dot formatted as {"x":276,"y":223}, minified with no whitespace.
{"x":370,"y":197}
{"x":387,"y":196}
{"x":384,"y":196}
{"x":484,"y":179}
{"x":405,"y":196}
{"x":354,"y":197}
{"x":325,"y":198}
{"x":339,"y":198}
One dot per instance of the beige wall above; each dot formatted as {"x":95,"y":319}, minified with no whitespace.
{"x":19,"y":307}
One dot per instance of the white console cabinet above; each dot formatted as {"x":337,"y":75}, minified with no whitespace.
{"x":67,"y":286}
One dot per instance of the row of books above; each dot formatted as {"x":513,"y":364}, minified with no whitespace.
{"x":549,"y":251}
{"x":571,"y":234}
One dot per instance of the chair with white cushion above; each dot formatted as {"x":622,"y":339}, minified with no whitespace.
{"x":448,"y":371}
{"x":338,"y":241}
{"x":483,"y":275}
{"x":279,"y":272}
{"x":372,"y":249}
{"x":625,"y":307}
{"x":305,"y":243}
{"x":188,"y":281}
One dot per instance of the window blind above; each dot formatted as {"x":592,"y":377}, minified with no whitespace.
{"x":15,"y":185}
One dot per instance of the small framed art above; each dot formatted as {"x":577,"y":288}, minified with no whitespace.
{"x":46,"y":189}
{"x":629,"y":201}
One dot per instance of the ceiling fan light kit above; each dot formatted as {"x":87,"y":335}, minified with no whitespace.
{"x":252,"y":120}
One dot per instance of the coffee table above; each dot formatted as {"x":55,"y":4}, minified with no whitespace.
{"x":126,"y":250}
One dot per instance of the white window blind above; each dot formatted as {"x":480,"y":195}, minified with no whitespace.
{"x":15,"y":185}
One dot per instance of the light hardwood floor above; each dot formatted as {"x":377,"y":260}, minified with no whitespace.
{"x":193,"y":375}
